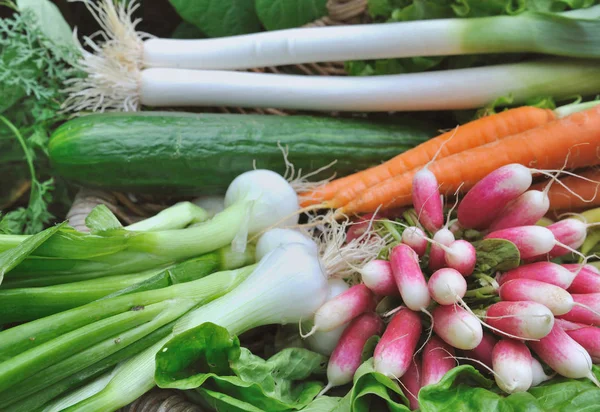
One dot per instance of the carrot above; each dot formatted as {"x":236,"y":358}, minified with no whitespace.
{"x":476,"y":133}
{"x":562,"y":199}
{"x":545,"y":147}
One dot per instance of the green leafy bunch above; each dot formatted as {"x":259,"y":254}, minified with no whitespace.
{"x":37,"y":52}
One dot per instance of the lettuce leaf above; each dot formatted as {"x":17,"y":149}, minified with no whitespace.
{"x":226,"y":376}
{"x":465,"y":389}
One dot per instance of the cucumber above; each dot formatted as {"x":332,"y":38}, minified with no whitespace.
{"x":175,"y":153}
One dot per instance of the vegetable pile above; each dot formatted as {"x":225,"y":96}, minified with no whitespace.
{"x":343,"y":262}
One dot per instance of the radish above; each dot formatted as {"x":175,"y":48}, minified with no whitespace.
{"x":587,"y":309}
{"x":555,"y":298}
{"x":531,"y":241}
{"x":346,"y":357}
{"x":437,"y":255}
{"x":325,"y":342}
{"x":527,"y":209}
{"x":539,"y":374}
{"x":395,"y":350}
{"x":447,"y":286}
{"x":565,"y":356}
{"x":569,"y":232}
{"x":411,"y":381}
{"x":587,"y":280}
{"x":415,"y":238}
{"x":589,"y":338}
{"x":360,"y":227}
{"x":409,"y":277}
{"x":542,"y":271}
{"x":343,"y":308}
{"x":525,"y":320}
{"x":486,"y":200}
{"x":457,"y":327}
{"x":483,"y":351}
{"x":377,"y":276}
{"x":427,"y":200}
{"x":511,"y":362}
{"x":461,"y":255}
{"x":438,"y":359}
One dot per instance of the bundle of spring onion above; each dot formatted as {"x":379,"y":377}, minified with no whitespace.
{"x":130,"y":70}
{"x":60,"y":352}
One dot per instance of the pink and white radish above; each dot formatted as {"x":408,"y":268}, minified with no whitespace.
{"x":555,"y":298}
{"x":525,"y":210}
{"x":438,"y":359}
{"x":587,"y":309}
{"x":343,"y":308}
{"x":483,"y":351}
{"x":416,"y":239}
{"x":377,"y":276}
{"x":394,"y":352}
{"x":411,"y":382}
{"x":461,"y":255}
{"x":325,"y":342}
{"x":569,"y":232}
{"x":409,"y":278}
{"x":457,"y":327}
{"x":447,"y":286}
{"x":541,"y":271}
{"x":589,"y":338}
{"x":539,"y":374}
{"x":532,"y":241}
{"x":346,"y":357}
{"x":437,"y":255}
{"x":565,"y":356}
{"x":587,"y":278}
{"x":427,"y":200}
{"x":524,"y":320}
{"x":511,"y":362}
{"x":484,"y":202}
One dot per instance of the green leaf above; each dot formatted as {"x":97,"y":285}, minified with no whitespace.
{"x":327,"y":404}
{"x":49,"y":20}
{"x":219,"y":18}
{"x":210,"y":360}
{"x":12,"y":257}
{"x":187,"y":30}
{"x":101,"y":219}
{"x":374,"y":391}
{"x":496,"y":255}
{"x":465,"y":389}
{"x":285,"y":14}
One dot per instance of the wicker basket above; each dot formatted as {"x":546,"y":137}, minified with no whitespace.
{"x":131,"y":208}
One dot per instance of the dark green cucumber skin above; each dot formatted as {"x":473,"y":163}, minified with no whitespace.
{"x":186,"y":153}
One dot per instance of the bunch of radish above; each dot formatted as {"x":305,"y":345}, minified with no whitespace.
{"x":539,"y":310}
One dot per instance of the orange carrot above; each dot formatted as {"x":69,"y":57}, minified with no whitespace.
{"x":545,"y":147}
{"x":562,"y":199}
{"x":476,"y":133}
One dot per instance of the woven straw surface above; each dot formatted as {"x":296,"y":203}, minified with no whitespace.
{"x":131,"y":209}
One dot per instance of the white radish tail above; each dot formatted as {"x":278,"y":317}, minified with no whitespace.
{"x":511,"y":361}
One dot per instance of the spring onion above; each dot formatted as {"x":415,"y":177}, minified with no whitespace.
{"x":255,"y":201}
{"x":564,"y":34}
{"x":127,"y":72}
{"x":54,"y":348}
{"x":19,"y":304}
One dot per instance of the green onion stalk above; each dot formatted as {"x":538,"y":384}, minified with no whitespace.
{"x":287,"y":286}
{"x":255,"y":201}
{"x":18,"y":304}
{"x":46,"y":357}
